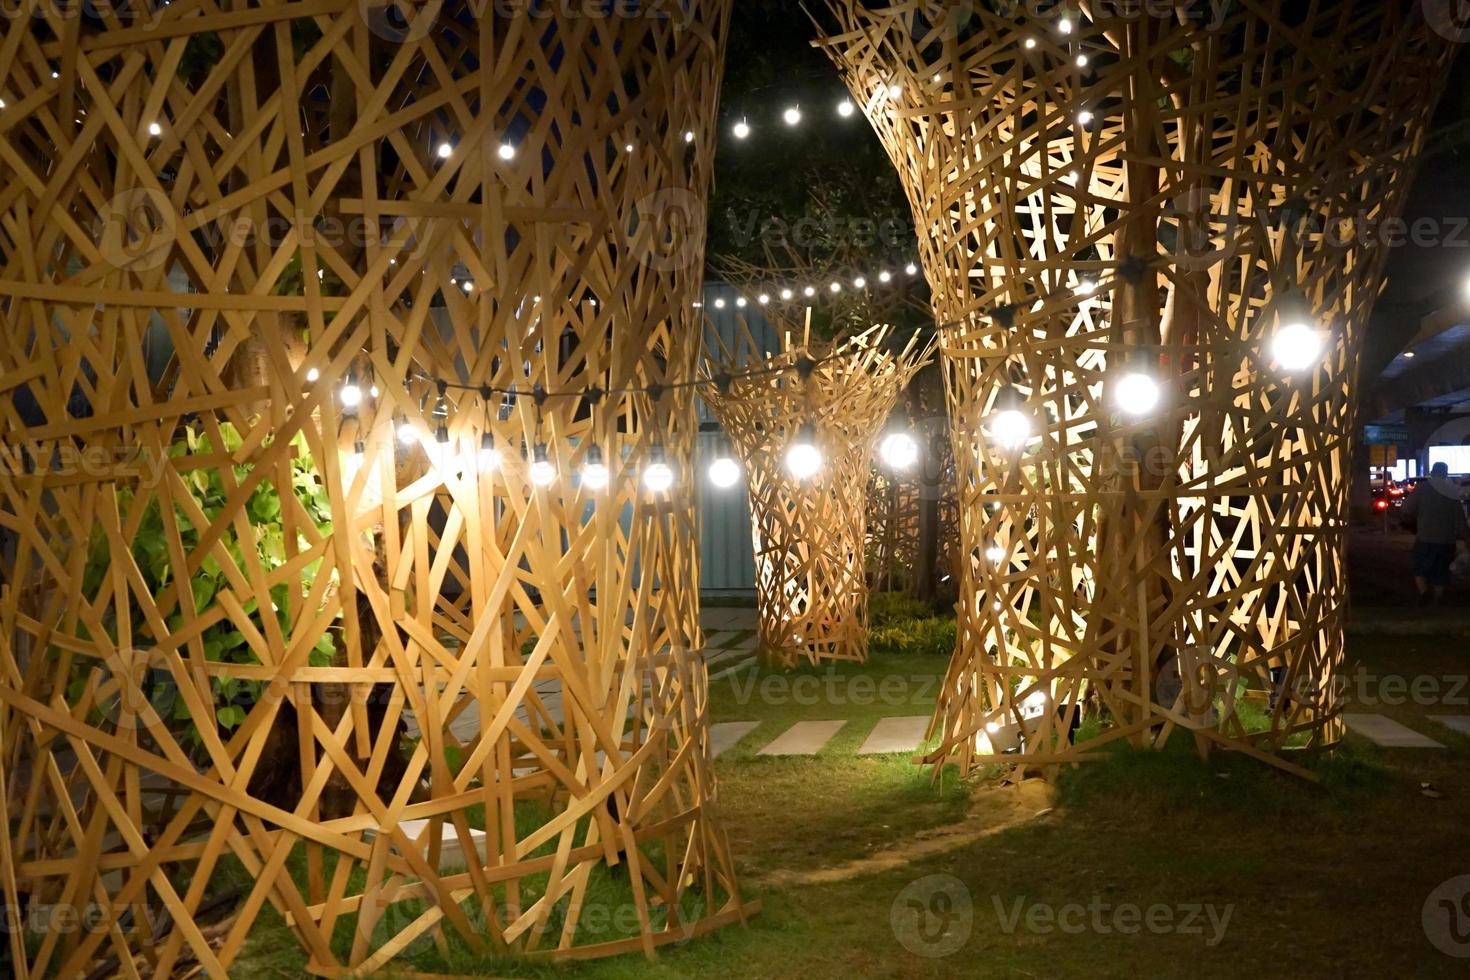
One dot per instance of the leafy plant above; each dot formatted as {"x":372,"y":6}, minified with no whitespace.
{"x":263,"y":539}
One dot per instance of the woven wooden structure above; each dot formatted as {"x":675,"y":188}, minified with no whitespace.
{"x":1100,"y":192}
{"x":811,"y":590}
{"x":213,"y":222}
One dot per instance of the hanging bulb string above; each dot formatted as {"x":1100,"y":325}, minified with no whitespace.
{"x":1003,"y":315}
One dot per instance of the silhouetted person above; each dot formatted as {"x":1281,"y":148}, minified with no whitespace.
{"x":1439,"y":510}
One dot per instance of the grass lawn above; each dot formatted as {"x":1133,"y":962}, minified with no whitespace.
{"x":1302,"y":879}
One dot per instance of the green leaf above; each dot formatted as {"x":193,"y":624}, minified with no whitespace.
{"x":230,"y":716}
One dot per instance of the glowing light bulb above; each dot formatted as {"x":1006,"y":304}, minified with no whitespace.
{"x":845,"y":108}
{"x":154,"y":129}
{"x":628,"y":148}
{"x":763,"y":299}
{"x":809,"y":291}
{"x":542,"y":471}
{"x":351,"y":396}
{"x":1135,"y":393}
{"x":859,"y":283}
{"x":468,"y":286}
{"x":803,"y":458}
{"x":506,"y":151}
{"x":407,"y":433}
{"x":895,"y":91}
{"x":595,"y":474}
{"x":312,"y":374}
{"x":1010,"y":429}
{"x":836,"y":287}
{"x":885,"y":276}
{"x":1031,"y":44}
{"x":724,"y":472}
{"x":792,"y":116}
{"x":1409,"y":354}
{"x":1085,"y":117}
{"x":741,"y":302}
{"x":719,"y":304}
{"x":445,"y":150}
{"x":689,"y":136}
{"x":1082,"y":61}
{"x":911,"y":269}
{"x":1065,"y":25}
{"x":488,"y":458}
{"x":1297,"y":347}
{"x":787,"y":294}
{"x":1086,"y":287}
{"x":995,"y":553}
{"x":899,"y":450}
{"x":742,"y":129}
{"x":658,"y":475}
{"x":373,"y":392}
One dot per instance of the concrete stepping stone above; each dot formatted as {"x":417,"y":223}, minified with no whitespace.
{"x":895,"y":735}
{"x":1388,"y":733}
{"x":803,"y":738}
{"x":723,"y":735}
{"x":1460,"y":723}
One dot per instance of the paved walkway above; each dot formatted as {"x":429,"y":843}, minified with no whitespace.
{"x":1384,"y":731}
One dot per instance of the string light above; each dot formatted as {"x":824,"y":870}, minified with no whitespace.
{"x":1085,"y":117}
{"x":1082,"y":61}
{"x":786,"y":294}
{"x":1031,"y":44}
{"x":1136,"y":394}
{"x":895,"y":91}
{"x":859,"y":282}
{"x":911,"y":269}
{"x":658,"y":476}
{"x":1087,"y":287}
{"x":488,"y":457}
{"x":885,"y":276}
{"x":689,"y":136}
{"x":1010,"y":429}
{"x":313,"y":374}
{"x":595,"y":475}
{"x":506,"y":151}
{"x":724,"y":472}
{"x":542,"y":471}
{"x":899,"y":450}
{"x":803,"y":458}
{"x":792,"y":116}
{"x":407,"y":433}
{"x":845,"y":108}
{"x":742,"y":129}
{"x":1065,"y":25}
{"x":763,"y":299}
{"x":445,"y":150}
{"x":154,"y":129}
{"x":1296,"y":347}
{"x":351,"y":395}
{"x":995,"y":553}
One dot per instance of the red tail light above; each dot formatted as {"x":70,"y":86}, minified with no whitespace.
{"x":1380,"y":504}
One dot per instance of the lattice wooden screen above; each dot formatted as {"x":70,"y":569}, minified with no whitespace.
{"x":1212,"y":184}
{"x":212,"y":222}
{"x":811,"y":592}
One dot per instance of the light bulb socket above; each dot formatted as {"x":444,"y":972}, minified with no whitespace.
{"x":487,"y":443}
{"x":594,"y":455}
{"x":441,"y":434}
{"x":807,"y":433}
{"x":656,"y":454}
{"x":359,"y":448}
{"x":539,"y":454}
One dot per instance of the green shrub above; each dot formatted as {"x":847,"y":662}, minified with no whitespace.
{"x":901,"y":624}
